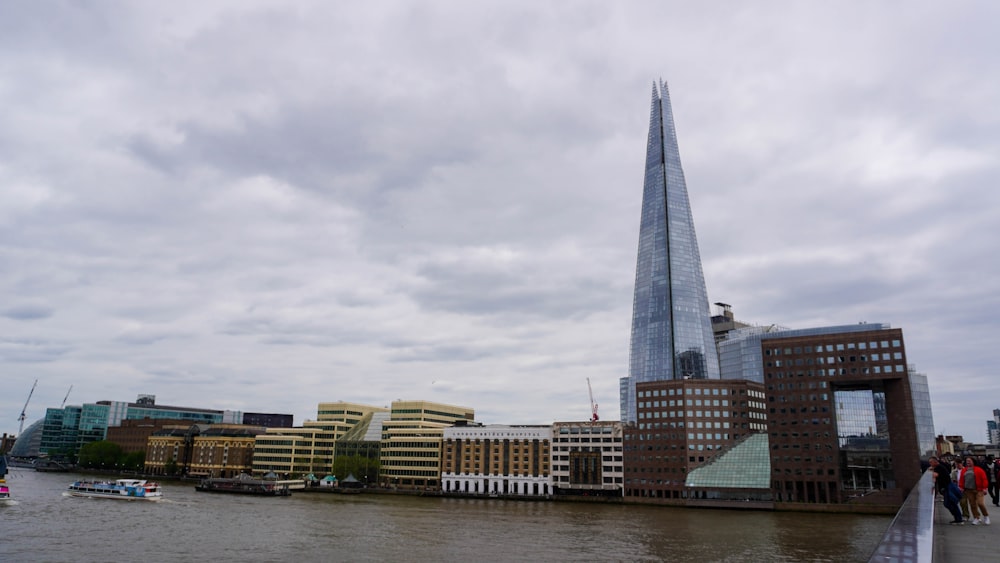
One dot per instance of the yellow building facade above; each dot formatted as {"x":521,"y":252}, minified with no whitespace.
{"x":309,"y":449}
{"x":410,"y":454}
{"x":223,"y":451}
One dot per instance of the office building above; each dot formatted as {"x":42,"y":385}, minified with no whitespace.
{"x":840,"y":416}
{"x":310,"y":448}
{"x":267,"y":420}
{"x":587,"y":459}
{"x":67,"y":429}
{"x":411,"y":442}
{"x":684,"y":425}
{"x":358,"y":451}
{"x":725,"y":322}
{"x":923,"y":415}
{"x":672,"y":335}
{"x":993,"y":429}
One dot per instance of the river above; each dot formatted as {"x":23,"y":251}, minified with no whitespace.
{"x":46,"y":525}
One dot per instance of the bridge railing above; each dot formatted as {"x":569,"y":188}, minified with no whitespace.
{"x":910,"y":537}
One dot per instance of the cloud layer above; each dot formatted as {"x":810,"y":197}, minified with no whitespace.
{"x":259,"y":207}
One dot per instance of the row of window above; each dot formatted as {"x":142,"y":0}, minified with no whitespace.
{"x":688,"y":391}
{"x":680,"y":425}
{"x":822,"y":360}
{"x":586,"y":430}
{"x":829,"y":372}
{"x":605,"y":468}
{"x":682,"y":402}
{"x":872,"y":345}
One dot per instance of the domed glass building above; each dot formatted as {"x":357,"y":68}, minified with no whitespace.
{"x":29,"y":442}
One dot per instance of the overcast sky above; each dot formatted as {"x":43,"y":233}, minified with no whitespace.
{"x":261,"y":206}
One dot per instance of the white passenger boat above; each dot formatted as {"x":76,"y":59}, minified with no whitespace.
{"x":124,"y":489}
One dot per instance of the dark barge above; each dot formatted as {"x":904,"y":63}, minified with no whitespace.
{"x":243,"y":485}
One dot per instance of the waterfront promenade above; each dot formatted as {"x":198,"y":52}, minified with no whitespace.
{"x":965,"y":544}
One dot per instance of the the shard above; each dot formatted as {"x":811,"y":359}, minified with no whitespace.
{"x":671,"y":322}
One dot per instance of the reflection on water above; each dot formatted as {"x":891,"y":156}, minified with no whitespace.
{"x":45,"y":525}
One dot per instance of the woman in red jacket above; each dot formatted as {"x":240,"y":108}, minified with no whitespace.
{"x":974,"y":482}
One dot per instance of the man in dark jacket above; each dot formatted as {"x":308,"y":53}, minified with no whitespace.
{"x":947,"y":489}
{"x":993,"y":472}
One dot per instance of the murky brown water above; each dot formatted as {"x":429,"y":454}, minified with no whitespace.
{"x":44,"y":525}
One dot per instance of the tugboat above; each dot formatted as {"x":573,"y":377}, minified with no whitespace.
{"x":122,"y":489}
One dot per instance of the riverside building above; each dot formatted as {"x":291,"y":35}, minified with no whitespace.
{"x":310,"y":448}
{"x":201,"y":450}
{"x":587,"y":458}
{"x":411,"y":442}
{"x":67,"y":429}
{"x":672,"y":336}
{"x":685,"y":425}
{"x":496,"y":459}
{"x":841,"y":416}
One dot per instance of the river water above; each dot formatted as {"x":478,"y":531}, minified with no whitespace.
{"x":45,"y":525}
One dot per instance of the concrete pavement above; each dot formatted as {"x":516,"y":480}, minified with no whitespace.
{"x":966,"y":543}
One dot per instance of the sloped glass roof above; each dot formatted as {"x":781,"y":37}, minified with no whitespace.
{"x":746,"y":466}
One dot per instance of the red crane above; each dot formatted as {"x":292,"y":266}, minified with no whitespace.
{"x":593,"y":405}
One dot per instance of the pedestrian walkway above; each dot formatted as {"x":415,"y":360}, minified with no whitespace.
{"x":966,"y":543}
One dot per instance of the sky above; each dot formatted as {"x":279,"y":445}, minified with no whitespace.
{"x":261,"y":206}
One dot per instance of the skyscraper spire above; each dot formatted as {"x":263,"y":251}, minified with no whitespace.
{"x":671,"y":323}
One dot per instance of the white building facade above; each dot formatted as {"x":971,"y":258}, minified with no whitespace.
{"x":587,"y":458}
{"x":496,"y":460}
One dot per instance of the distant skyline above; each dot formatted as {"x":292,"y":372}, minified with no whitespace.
{"x":260,"y":207}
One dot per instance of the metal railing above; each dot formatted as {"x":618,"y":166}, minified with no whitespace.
{"x":910,"y":537}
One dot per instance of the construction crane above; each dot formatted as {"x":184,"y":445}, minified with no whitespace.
{"x":66,"y":397}
{"x":23,"y":415}
{"x":593,"y":405}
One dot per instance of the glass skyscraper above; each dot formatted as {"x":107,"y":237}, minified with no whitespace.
{"x":671,"y":323}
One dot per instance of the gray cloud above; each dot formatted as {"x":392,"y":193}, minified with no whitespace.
{"x":28,"y":312}
{"x":276,"y":205}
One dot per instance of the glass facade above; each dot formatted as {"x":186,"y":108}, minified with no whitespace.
{"x":863,"y":436}
{"x":671,"y":323}
{"x":922,"y":413}
{"x":60,"y":431}
{"x":66,"y":430}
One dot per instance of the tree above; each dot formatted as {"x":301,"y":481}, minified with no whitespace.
{"x":170,"y":467}
{"x":100,"y":455}
{"x":134,"y":461}
{"x":363,"y":468}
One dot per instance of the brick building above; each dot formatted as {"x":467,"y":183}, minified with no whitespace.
{"x":840,"y":417}
{"x":683,"y":425}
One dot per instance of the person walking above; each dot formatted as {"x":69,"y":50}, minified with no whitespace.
{"x":974,"y":482}
{"x":947,"y":489}
{"x":963,"y":503}
{"x":992,"y":471}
